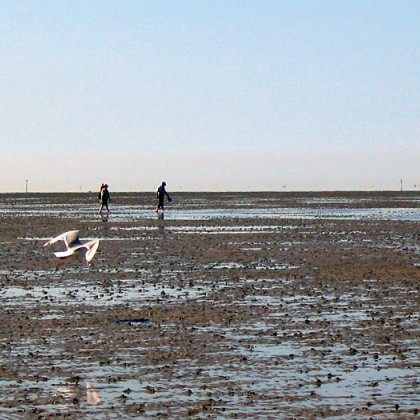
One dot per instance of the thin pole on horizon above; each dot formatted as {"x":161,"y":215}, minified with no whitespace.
{"x":26,"y":185}
{"x":401,"y":186}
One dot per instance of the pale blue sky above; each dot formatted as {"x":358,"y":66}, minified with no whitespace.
{"x":209,"y":95}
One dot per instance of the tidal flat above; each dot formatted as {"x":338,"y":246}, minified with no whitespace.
{"x":234,"y":305}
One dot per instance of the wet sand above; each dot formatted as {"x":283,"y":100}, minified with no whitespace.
{"x":230,"y":316}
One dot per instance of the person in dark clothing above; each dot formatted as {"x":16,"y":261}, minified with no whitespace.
{"x":160,"y":195}
{"x":105,"y":198}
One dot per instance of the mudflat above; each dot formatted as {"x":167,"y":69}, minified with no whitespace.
{"x":257,"y":305}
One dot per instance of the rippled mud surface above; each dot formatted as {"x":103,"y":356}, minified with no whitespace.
{"x":233,"y":305}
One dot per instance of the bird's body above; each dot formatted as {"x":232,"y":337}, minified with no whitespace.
{"x":74,"y":245}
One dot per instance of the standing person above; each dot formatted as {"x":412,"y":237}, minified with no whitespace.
{"x":105,"y":197}
{"x":160,"y":195}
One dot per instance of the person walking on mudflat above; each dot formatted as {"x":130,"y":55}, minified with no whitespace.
{"x":105,"y":198}
{"x":160,"y":195}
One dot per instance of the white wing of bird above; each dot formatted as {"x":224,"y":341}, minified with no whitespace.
{"x":73,"y":244}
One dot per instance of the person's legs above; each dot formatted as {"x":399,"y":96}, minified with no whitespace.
{"x":104,"y":204}
{"x":160,"y":205}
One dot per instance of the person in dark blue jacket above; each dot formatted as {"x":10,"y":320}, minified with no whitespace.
{"x":160,"y":195}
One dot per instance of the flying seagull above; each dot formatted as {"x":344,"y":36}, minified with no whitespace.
{"x":73,"y":244}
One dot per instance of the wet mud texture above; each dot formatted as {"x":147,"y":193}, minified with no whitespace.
{"x":217,"y":318}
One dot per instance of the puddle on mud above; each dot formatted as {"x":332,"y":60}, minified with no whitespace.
{"x":123,"y":213}
{"x":128,"y":292}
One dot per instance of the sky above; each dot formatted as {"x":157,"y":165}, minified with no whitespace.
{"x":209,"y":95}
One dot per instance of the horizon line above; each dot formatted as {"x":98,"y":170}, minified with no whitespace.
{"x":216,"y":191}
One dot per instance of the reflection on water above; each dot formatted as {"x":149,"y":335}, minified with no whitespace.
{"x":71,"y":393}
{"x":104,"y":217}
{"x":91,"y":394}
